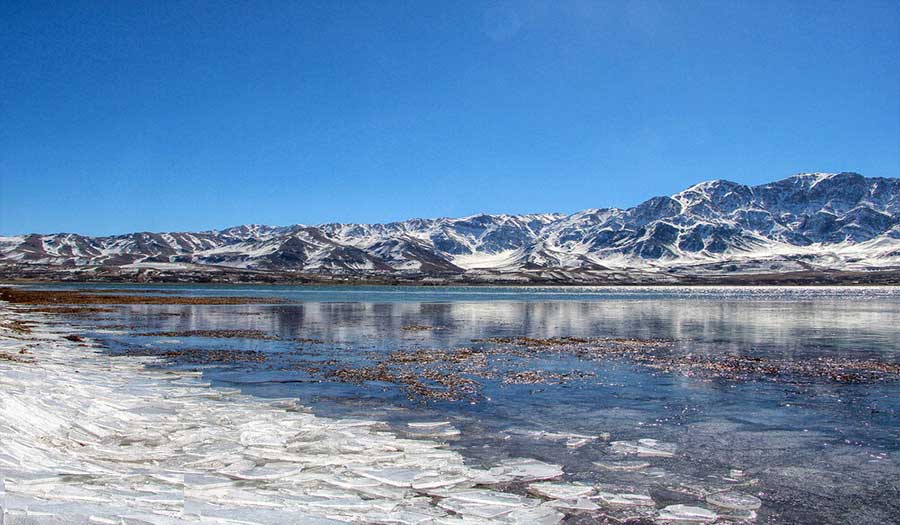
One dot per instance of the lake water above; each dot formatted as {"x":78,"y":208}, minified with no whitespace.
{"x":813,"y":449}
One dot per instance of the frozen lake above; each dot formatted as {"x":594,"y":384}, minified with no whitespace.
{"x":813,"y":448}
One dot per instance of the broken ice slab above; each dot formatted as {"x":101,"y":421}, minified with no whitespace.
{"x":734,"y":501}
{"x":264,"y":435}
{"x":644,"y":448}
{"x":741,"y":516}
{"x":525,"y":469}
{"x":457,"y":520}
{"x":201,"y":513}
{"x":204,"y":481}
{"x":438,"y":480}
{"x":684,"y":514}
{"x":432,"y":429}
{"x":488,"y":504}
{"x":578,"y":505}
{"x":395,"y":477}
{"x":633,"y":498}
{"x":403,"y":517}
{"x":271,"y":471}
{"x":566,"y":491}
{"x":622,"y":466}
{"x":487,"y":497}
{"x":291,"y":405}
{"x":541,"y":515}
{"x":572,"y":440}
{"x":479,"y":510}
{"x":428,"y":424}
{"x":574,"y":443}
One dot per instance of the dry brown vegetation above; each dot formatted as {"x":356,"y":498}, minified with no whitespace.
{"x":65,"y":297}
{"x":454,"y":374}
{"x":417,"y":328}
{"x":202,"y":356}
{"x":219,"y":334}
{"x":71,"y":310}
{"x":16,"y":358}
{"x":16,"y":326}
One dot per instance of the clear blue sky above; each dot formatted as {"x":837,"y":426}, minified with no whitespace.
{"x":123,"y":115}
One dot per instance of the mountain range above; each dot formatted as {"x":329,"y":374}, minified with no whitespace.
{"x":808,"y":222}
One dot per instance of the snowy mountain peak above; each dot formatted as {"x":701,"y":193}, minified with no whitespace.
{"x":832,"y":219}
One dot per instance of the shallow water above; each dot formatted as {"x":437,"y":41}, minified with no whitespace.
{"x":814,"y":450}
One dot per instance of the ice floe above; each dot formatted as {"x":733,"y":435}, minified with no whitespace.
{"x":524,"y":469}
{"x":566,"y":491}
{"x":625,"y":499}
{"x":686,"y":514}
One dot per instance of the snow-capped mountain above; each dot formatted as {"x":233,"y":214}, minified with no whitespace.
{"x":809,"y":221}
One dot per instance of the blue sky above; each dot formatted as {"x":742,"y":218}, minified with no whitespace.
{"x":124,"y":116}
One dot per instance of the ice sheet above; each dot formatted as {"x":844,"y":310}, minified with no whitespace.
{"x":94,"y":439}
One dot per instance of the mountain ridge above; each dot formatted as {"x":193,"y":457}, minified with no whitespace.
{"x":810,"y":221}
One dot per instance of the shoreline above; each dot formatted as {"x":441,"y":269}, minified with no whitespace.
{"x":92,"y":438}
{"x":24,"y":283}
{"x":625,"y":277}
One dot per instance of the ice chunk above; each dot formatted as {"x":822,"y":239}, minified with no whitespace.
{"x":624,"y":499}
{"x":734,"y":501}
{"x":577,"y":442}
{"x":263,"y":436}
{"x":480,"y":510}
{"x":428,"y":424}
{"x":686,"y":514}
{"x":543,"y":515}
{"x":644,"y":448}
{"x":525,"y":469}
{"x":567,"y":491}
{"x":266,"y":472}
{"x":622,"y":466}
{"x":488,"y":497}
{"x":436,"y":481}
{"x":568,"y":437}
{"x":432,"y":430}
{"x":581,"y":504}
{"x":395,"y":477}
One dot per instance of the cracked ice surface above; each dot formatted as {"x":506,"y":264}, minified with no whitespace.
{"x":86,"y":438}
